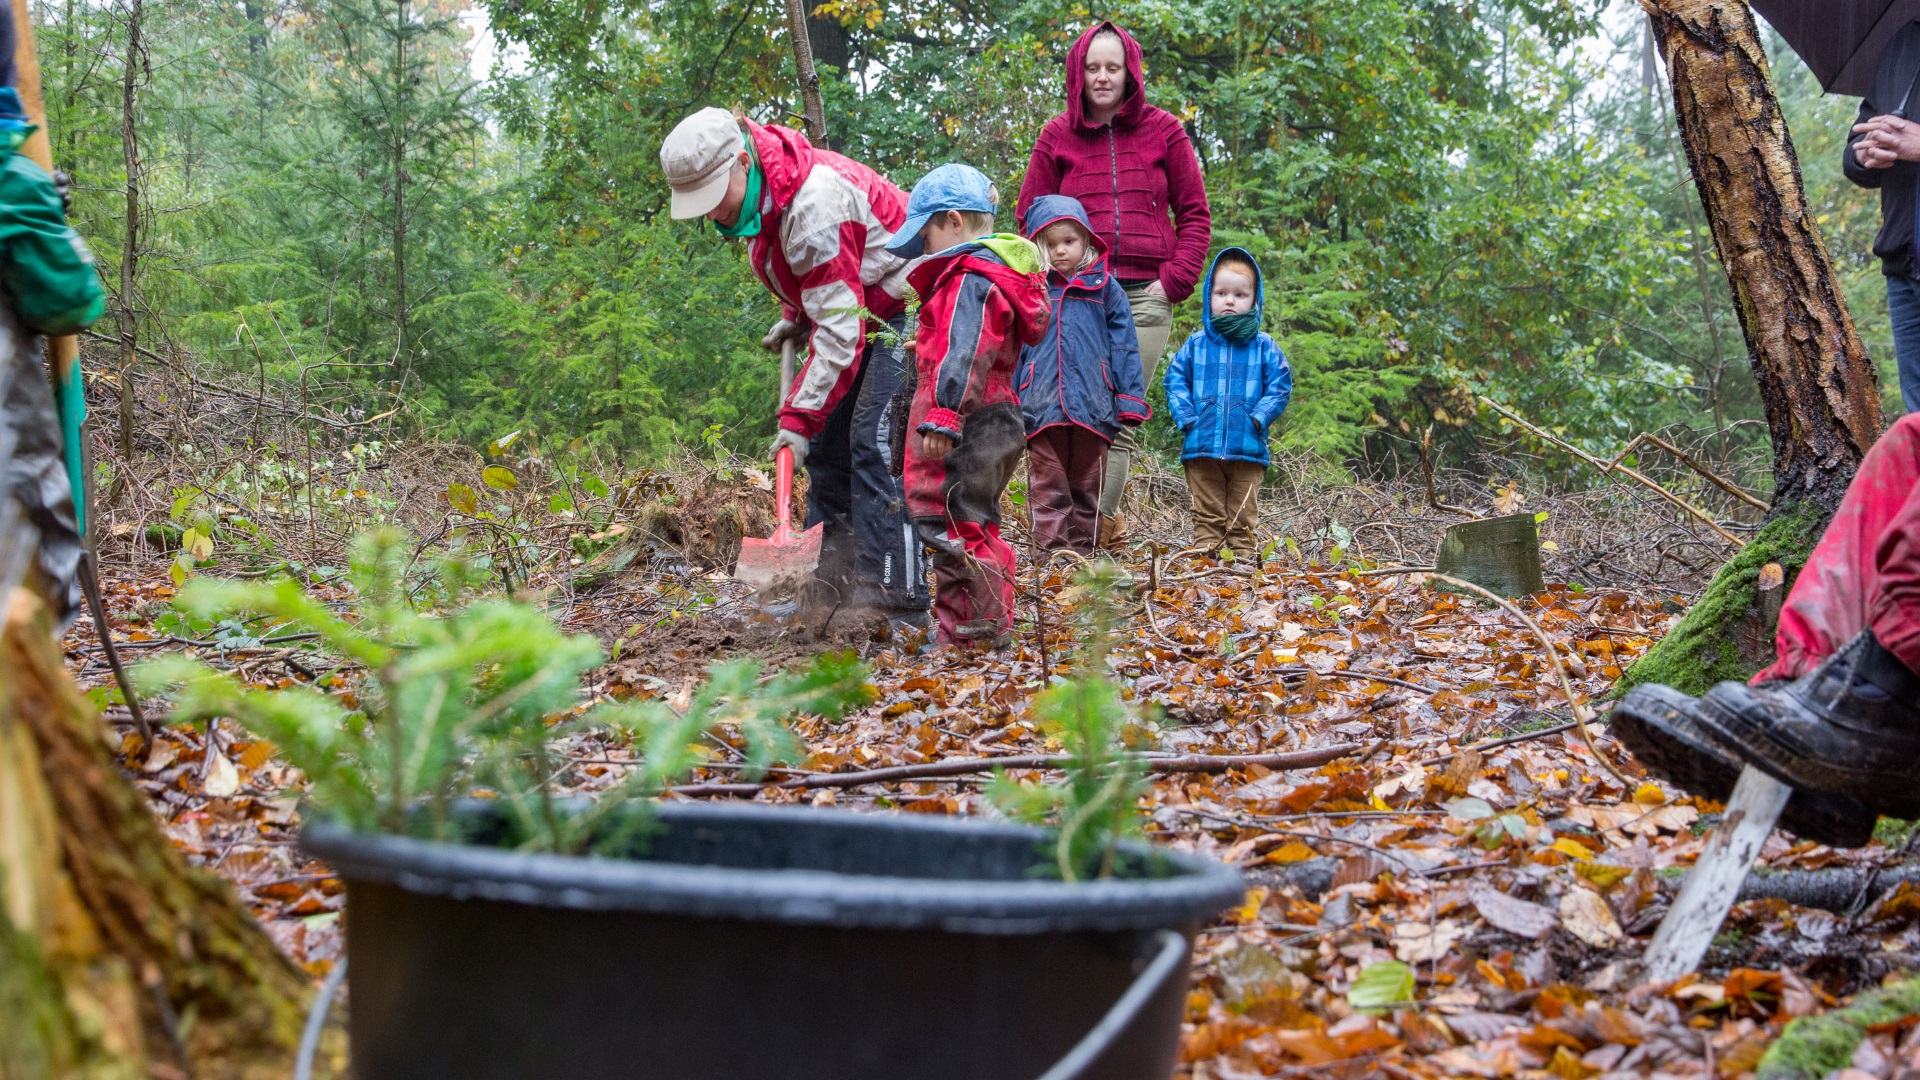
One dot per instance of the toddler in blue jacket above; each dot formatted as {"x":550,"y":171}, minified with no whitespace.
{"x":1225,"y":387}
{"x":1079,"y":385}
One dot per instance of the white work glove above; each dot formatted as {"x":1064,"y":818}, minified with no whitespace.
{"x":794,"y":441}
{"x":782,"y":331}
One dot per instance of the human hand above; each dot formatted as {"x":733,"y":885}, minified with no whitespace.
{"x":934,"y":446}
{"x":794,"y":441}
{"x":1156,"y":289}
{"x":1885,"y":140}
{"x":781,"y":332}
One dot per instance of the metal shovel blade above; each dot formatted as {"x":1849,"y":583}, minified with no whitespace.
{"x":784,"y":561}
{"x":780,"y":563}
{"x":1714,"y":882}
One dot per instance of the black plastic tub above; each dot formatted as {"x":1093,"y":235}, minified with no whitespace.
{"x":766,"y":943}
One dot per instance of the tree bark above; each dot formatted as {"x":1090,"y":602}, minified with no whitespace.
{"x":116,"y":958}
{"x":1816,"y":382}
{"x":135,"y":61}
{"x":816,"y":111}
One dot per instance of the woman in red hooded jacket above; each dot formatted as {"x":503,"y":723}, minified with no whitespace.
{"x":1133,"y":167}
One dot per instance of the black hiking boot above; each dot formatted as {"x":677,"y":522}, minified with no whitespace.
{"x":1661,"y":727}
{"x":1849,"y":727}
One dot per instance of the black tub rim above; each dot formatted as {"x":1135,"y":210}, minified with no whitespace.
{"x":1194,"y":889}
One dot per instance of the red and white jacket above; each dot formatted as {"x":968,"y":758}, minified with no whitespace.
{"x":822,"y":250}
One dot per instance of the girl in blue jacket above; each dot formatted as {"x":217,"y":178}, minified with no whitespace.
{"x":1082,"y":383}
{"x":1225,"y":387}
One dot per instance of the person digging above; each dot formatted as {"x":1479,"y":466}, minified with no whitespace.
{"x":816,"y":227}
{"x":1837,"y":715}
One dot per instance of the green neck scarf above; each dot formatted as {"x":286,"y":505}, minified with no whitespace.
{"x":748,"y":222}
{"x":1238,"y":329}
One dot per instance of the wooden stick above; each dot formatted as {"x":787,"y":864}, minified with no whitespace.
{"x":1686,"y":459}
{"x":62,"y":352}
{"x":1580,"y":712}
{"x":1426,"y":468}
{"x":934,"y":770}
{"x":1495,"y":744}
{"x":1609,"y":469}
{"x":816,"y":112}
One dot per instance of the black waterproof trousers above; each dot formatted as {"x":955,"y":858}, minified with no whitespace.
{"x":869,"y":555}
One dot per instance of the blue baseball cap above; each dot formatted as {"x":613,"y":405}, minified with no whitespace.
{"x":949,"y":187}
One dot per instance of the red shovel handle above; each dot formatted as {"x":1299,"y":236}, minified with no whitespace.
{"x":783,"y":495}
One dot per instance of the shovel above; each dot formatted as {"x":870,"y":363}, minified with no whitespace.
{"x":1713,"y":884}
{"x":786,"y":559}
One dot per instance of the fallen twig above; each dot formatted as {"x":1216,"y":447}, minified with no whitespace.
{"x":1527,"y":736}
{"x":1580,"y":711}
{"x":952,"y":767}
{"x":1610,"y":468}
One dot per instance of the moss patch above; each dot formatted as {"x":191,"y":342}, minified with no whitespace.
{"x":1813,"y":1046}
{"x":39,"y":1034}
{"x":1893,"y":832}
{"x":1704,"y":647}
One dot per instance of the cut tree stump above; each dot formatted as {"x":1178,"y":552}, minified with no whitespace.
{"x":1501,"y":555}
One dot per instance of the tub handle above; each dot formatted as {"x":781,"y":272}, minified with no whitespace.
{"x":1169,"y":959}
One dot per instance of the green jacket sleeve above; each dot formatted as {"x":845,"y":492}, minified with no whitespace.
{"x":45,"y":268}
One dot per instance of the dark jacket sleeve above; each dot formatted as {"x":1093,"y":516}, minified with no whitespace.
{"x":1124,"y":373}
{"x":1043,"y":173}
{"x":1856,"y":172}
{"x":1192,"y":217}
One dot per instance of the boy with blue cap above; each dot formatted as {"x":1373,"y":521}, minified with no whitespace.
{"x":982,"y":298}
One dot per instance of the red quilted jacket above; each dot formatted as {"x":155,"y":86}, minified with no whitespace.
{"x":1137,"y":176}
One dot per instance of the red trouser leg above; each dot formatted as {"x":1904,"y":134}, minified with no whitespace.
{"x":972,"y":580}
{"x":1049,"y":492}
{"x":1865,"y":571}
{"x":1894,"y":609}
{"x":1064,"y":467}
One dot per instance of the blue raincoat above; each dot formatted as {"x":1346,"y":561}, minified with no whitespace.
{"x":1226,"y":396}
{"x":1086,"y":371}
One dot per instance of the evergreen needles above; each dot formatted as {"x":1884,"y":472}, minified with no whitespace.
{"x":473,"y":699}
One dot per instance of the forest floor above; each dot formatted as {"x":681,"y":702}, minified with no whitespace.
{"x":1470,"y":834}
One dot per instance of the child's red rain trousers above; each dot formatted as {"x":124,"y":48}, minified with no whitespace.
{"x":983,"y":301}
{"x":1865,"y":572}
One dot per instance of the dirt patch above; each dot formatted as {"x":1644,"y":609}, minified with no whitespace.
{"x":698,"y":639}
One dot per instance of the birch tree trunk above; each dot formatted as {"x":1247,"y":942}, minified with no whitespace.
{"x":816,"y":111}
{"x":1816,"y":382}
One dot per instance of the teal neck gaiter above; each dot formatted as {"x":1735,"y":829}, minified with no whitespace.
{"x":748,"y":223}
{"x":1238,"y":329}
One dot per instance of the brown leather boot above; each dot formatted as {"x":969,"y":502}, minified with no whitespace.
{"x":1113,"y":530}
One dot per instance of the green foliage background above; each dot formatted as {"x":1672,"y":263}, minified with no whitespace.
{"x":1444,"y":196}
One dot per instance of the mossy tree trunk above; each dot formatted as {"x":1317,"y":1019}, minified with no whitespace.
{"x":1816,"y":381}
{"x":116,"y":958}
